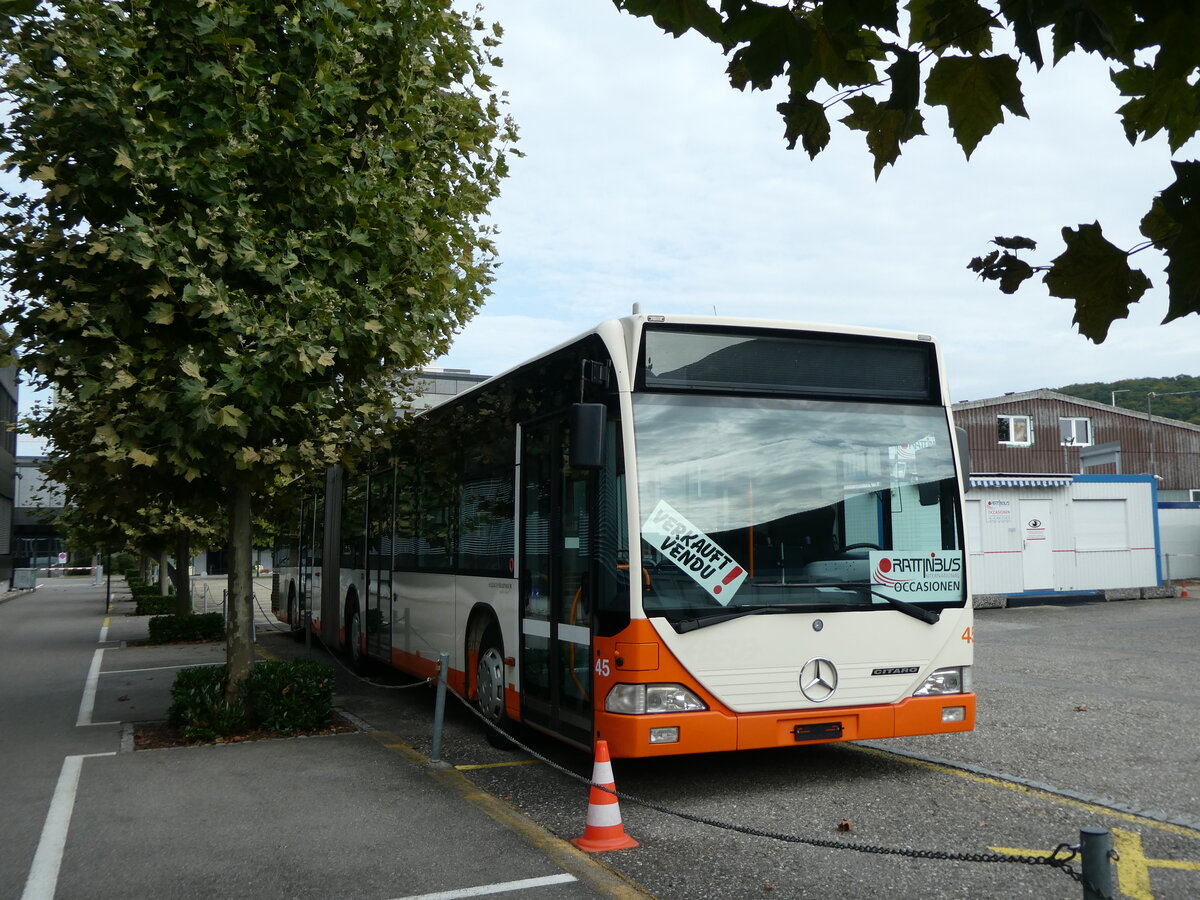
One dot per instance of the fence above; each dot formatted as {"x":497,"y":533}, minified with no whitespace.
{"x":1181,"y":566}
{"x":25,"y":579}
{"x":1179,"y":537}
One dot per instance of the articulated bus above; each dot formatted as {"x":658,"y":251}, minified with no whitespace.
{"x":678,"y":534}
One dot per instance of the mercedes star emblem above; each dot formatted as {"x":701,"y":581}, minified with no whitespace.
{"x":818,"y":679}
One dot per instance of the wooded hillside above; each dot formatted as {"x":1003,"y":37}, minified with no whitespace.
{"x":1131,"y":394}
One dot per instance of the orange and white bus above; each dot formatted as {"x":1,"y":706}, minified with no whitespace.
{"x":678,"y":534}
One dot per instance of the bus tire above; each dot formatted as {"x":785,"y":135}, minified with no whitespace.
{"x":354,"y":639}
{"x":489,"y":689}
{"x":297,"y":631}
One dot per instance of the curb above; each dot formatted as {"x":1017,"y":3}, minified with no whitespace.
{"x":590,"y":871}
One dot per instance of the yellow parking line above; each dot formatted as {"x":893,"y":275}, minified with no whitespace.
{"x":1133,"y":868}
{"x":603,"y":880}
{"x":499,"y":765}
{"x":1019,"y":788}
{"x":1133,"y":873}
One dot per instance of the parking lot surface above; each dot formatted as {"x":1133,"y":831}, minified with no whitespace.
{"x":1088,"y":717}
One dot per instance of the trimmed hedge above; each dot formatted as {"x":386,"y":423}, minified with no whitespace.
{"x":150,"y":600}
{"x":282,"y":696}
{"x":155,"y":605}
{"x":202,"y":627}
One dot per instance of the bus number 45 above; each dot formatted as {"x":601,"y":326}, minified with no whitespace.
{"x":602,"y":668}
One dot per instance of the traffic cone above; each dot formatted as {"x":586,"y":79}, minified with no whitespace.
{"x":604,"y":830}
{"x":1184,"y":593}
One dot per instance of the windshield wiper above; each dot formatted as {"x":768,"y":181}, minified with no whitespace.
{"x":929,"y":616}
{"x":686,"y":625}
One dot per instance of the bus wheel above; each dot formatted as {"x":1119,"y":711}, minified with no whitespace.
{"x":354,"y":640}
{"x":294,"y":618}
{"x":489,"y":689}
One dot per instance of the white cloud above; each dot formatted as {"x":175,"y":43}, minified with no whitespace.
{"x":648,"y":179}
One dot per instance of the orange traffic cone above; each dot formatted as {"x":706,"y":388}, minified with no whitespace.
{"x":1184,"y":593}
{"x":604,"y":830}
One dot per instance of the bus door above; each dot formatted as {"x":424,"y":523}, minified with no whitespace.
{"x":379,"y":565}
{"x":557,"y":583}
{"x":312,"y":536}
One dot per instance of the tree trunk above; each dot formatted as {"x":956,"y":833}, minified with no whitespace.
{"x":144,"y":567}
{"x":239,"y":628}
{"x":164,"y":580}
{"x":183,"y":587}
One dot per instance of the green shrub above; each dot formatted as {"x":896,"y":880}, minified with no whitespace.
{"x":290,"y":695}
{"x":284,"y":696}
{"x":155,"y":605}
{"x":198,"y":704}
{"x":202,"y":627}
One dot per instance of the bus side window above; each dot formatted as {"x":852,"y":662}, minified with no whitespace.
{"x":612,"y":539}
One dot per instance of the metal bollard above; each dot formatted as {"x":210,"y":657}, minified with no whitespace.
{"x":1097,"y":849}
{"x":439,"y":708}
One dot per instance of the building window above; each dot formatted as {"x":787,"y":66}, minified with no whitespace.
{"x":1075,"y":432}
{"x":1016,"y":431}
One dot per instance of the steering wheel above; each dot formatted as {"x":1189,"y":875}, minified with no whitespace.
{"x":861,"y":546}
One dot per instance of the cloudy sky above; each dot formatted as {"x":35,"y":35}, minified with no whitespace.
{"x":648,"y":179}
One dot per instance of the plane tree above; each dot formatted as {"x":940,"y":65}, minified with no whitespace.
{"x":111,"y":503}
{"x":879,"y":68}
{"x":240,"y":220}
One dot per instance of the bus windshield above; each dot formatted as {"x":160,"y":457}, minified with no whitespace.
{"x":771,"y":505}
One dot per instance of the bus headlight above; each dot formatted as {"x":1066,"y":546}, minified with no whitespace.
{"x":649,"y":699}
{"x":954,"y":680}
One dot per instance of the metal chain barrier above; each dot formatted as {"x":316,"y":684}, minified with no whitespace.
{"x":1059,"y":858}
{"x":336,"y":657}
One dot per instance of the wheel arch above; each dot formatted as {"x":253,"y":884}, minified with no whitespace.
{"x":481,"y":617}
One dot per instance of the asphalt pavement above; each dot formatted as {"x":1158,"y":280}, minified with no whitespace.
{"x":1089,"y":715}
{"x":360,"y":814}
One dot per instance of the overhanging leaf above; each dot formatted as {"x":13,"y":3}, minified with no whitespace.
{"x":942,"y":24}
{"x":975,"y":92}
{"x":905,"y":74}
{"x":886,"y":128}
{"x":774,"y":39}
{"x":1181,"y":203}
{"x":1015,"y":243}
{"x":678,"y":16}
{"x":1096,"y":275}
{"x":805,"y":120}
{"x":1009,"y":270}
{"x":1160,"y":101}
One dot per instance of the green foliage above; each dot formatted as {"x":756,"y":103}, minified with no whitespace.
{"x":1175,"y":397}
{"x":290,"y":696}
{"x":241,"y":220}
{"x":152,"y":603}
{"x":283,"y":696}
{"x":166,"y":629}
{"x":198,"y":704}
{"x":853,"y":49}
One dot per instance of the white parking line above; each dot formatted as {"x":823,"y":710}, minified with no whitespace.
{"x":161,"y":668}
{"x":43,"y":874}
{"x":486,"y":889}
{"x":88,"y":703}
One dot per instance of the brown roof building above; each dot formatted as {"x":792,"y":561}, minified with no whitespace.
{"x":1046,"y":432}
